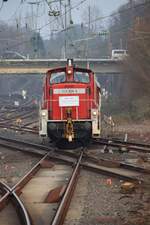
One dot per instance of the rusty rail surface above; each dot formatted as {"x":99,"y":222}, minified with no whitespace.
{"x":64,"y":205}
{"x":10,"y":195}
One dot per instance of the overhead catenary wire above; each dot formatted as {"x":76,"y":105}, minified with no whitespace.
{"x":98,"y":18}
{"x":122,"y":30}
{"x":92,"y":21}
{"x":46,"y":36}
{"x":47,"y":24}
{"x":23,"y":18}
{"x":11,"y":18}
{"x":73,"y":7}
{"x":119,"y":12}
{"x":40,"y":28}
{"x":14,"y":14}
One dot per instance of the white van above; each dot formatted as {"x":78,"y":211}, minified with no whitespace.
{"x":119,"y":54}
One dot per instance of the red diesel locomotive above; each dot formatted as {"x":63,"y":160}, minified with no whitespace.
{"x":71,"y":104}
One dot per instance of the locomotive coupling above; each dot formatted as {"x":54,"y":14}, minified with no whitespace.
{"x":69,"y":131}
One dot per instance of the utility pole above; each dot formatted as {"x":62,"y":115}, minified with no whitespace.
{"x":89,"y":29}
{"x":60,"y":6}
{"x":37,"y":35}
{"x":65,"y":31}
{"x":89,"y":16}
{"x":70,"y":15}
{"x":132,"y":11}
{"x":32,"y":14}
{"x":121,"y":43}
{"x":35,"y":25}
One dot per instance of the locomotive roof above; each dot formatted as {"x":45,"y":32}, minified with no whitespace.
{"x":64,"y":68}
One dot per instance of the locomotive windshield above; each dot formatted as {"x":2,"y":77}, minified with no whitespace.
{"x":81,"y":77}
{"x":60,"y":77}
{"x":57,"y":78}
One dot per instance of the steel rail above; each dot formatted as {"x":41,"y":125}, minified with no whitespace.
{"x":29,"y":123}
{"x":5,"y":198}
{"x":21,"y":128}
{"x":20,"y":208}
{"x":18,"y":187}
{"x":33,"y":145}
{"x":120,"y":145}
{"x":40,"y":152}
{"x":108,"y":162}
{"x":24,"y":150}
{"x":30,"y":174}
{"x":64,"y":205}
{"x":10,"y":193}
{"x":126,"y":142}
{"x":130,"y":145}
{"x":23,"y":115}
{"x":109,"y":172}
{"x":90,"y":166}
{"x":117,"y":164}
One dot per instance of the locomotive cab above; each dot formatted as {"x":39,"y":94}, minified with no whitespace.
{"x":71,"y":104}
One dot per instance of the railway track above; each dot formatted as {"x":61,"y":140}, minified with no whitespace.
{"x":44,"y":194}
{"x":11,"y":119}
{"x":20,"y":128}
{"x":12,"y":204}
{"x":19,"y":120}
{"x":111,"y":167}
{"x":51,"y":198}
{"x":128,"y":146}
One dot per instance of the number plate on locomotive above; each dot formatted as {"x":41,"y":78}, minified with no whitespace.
{"x":69,"y":91}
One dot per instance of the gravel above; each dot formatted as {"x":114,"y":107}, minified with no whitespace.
{"x":102,"y":202}
{"x":14,"y":165}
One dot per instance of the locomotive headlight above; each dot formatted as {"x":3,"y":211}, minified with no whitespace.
{"x":69,"y":72}
{"x":43,"y":113}
{"x":94,"y":113}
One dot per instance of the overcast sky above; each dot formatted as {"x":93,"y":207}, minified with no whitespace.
{"x":13,"y":9}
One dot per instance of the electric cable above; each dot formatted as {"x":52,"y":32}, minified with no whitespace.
{"x":119,"y":12}
{"x":119,"y":31}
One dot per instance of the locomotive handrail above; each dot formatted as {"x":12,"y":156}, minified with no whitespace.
{"x":45,"y":102}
